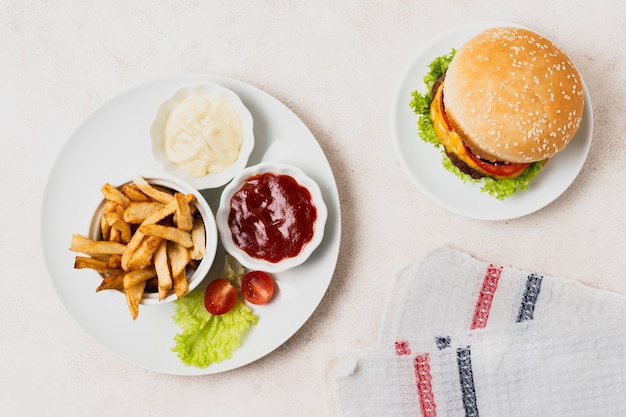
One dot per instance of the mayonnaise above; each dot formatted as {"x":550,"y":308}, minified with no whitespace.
{"x":203,"y":136}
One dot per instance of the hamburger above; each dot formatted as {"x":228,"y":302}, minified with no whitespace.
{"x":500,"y":107}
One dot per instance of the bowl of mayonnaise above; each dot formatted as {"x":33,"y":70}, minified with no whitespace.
{"x":203,"y":134}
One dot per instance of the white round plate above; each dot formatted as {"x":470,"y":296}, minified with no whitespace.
{"x":422,"y":161}
{"x":113,"y":145}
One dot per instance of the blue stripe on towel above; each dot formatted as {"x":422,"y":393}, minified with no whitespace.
{"x":527,"y":308}
{"x":466,"y":378}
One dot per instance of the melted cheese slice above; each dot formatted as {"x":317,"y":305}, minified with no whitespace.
{"x":448,"y":137}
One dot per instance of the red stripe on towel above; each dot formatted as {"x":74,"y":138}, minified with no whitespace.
{"x":424,"y":387}
{"x":483,"y":304}
{"x":402,"y":348}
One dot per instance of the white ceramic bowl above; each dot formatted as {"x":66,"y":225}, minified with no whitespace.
{"x":194,"y":277}
{"x":213,"y":91}
{"x":224,"y":209}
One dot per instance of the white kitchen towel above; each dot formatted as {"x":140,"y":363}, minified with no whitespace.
{"x":557,"y":367}
{"x":449,"y":290}
{"x":533,"y":345}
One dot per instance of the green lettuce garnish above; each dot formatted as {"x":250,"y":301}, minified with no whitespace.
{"x":207,"y":339}
{"x":420,"y":104}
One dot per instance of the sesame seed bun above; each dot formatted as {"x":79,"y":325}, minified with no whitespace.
{"x":513,"y":96}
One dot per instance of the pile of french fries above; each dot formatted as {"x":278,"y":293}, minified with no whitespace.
{"x":150,"y":236}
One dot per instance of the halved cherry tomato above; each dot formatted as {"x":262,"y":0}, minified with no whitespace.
{"x":220,"y":296}
{"x":257,"y":287}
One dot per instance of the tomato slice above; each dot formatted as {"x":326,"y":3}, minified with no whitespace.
{"x":220,"y":296}
{"x":257,"y":287}
{"x":501,"y":169}
{"x":443,"y":113}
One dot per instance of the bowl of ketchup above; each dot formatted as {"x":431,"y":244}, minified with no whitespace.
{"x":271,"y":217}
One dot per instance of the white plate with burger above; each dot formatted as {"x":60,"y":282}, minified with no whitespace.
{"x":525,"y":98}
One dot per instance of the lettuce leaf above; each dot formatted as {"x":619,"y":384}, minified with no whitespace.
{"x":420,"y":104}
{"x":207,"y":339}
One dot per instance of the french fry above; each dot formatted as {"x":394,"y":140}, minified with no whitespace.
{"x":162,"y":267}
{"x":88,"y":246}
{"x":138,"y":211}
{"x":132,"y":278}
{"x":82,"y":262}
{"x":133,"y":298}
{"x":105,"y":229}
{"x":142,"y":257}
{"x":198,"y":237}
{"x":184,"y":219}
{"x":131,"y":247}
{"x":111,"y":282}
{"x":162,"y":213}
{"x":179,"y":258}
{"x":113,"y":194}
{"x":180,"y":283}
{"x":170,"y":233}
{"x":149,"y":190}
{"x":134,"y":193}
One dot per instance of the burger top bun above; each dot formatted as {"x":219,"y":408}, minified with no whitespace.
{"x":513,"y":96}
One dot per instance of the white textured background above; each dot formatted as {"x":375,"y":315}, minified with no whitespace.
{"x":335,"y":64}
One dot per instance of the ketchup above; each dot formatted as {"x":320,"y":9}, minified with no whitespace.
{"x":272,"y":217}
